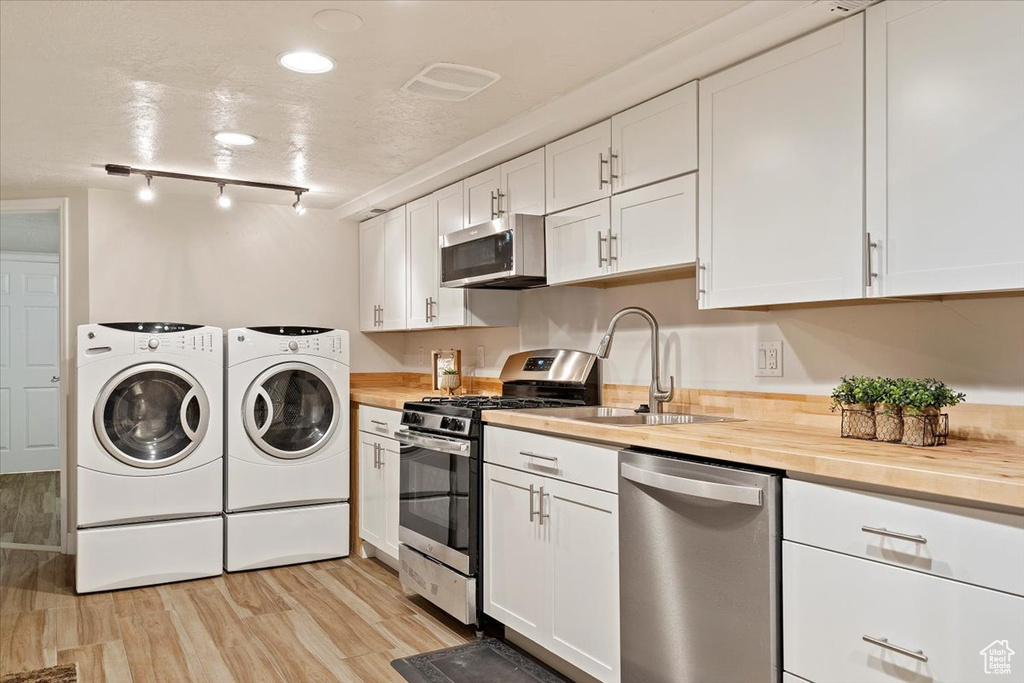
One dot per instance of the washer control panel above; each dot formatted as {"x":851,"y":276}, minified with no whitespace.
{"x":202,"y":342}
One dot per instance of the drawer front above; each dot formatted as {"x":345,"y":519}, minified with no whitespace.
{"x":379,"y":420}
{"x":974,"y":546}
{"x":831,"y":602}
{"x":580,"y":463}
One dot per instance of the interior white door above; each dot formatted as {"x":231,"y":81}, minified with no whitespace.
{"x":423,"y":250}
{"x":522,"y":185}
{"x":655,"y":226}
{"x":655,"y":140}
{"x":581,"y":527}
{"x":29,"y":363}
{"x":576,"y":167}
{"x":781,"y":201}
{"x":517,"y":589}
{"x":395,"y":249}
{"x":371,"y":273}
{"x":945,"y":144}
{"x":577,"y":243}
{"x":389,"y":468}
{"x":371,"y":492}
{"x":451,"y":303}
{"x":480,"y":194}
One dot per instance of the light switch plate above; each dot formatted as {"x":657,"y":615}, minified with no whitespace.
{"x":768,"y":362}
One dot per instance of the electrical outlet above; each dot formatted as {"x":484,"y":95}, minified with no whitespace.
{"x":769,"y":359}
{"x":481,"y":358}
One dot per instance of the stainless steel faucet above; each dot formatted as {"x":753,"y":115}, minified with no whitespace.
{"x":657,"y":394}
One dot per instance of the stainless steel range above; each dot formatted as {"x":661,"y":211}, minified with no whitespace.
{"x":441,"y":472}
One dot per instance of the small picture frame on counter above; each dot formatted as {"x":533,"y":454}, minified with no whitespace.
{"x":446,"y":367}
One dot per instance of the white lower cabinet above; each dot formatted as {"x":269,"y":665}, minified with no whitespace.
{"x":379,"y":487}
{"x":551,"y":564}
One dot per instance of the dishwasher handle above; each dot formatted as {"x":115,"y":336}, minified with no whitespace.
{"x":728,"y":493}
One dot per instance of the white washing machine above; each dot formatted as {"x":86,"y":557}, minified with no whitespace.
{"x":149,"y":467}
{"x":287,"y":424}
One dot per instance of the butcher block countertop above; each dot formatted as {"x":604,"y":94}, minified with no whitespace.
{"x":971,"y":471}
{"x":387,"y":397}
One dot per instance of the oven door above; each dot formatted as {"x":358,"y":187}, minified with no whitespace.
{"x":439,"y":501}
{"x":477,"y":254}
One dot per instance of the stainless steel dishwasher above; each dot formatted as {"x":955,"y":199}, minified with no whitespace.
{"x":699,"y":548}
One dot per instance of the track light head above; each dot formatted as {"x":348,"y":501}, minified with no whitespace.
{"x":223,"y":200}
{"x":146,"y":194}
{"x":299,"y":207}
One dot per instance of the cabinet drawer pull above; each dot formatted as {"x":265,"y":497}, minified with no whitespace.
{"x":540,"y":505}
{"x":533,"y":513}
{"x":601,"y":161}
{"x":601,"y":258}
{"x":613,"y":254}
{"x":494,"y":211}
{"x":884,"y":642}
{"x":549,"y":458}
{"x":500,"y":196}
{"x":611,"y":165}
{"x":881,"y":531}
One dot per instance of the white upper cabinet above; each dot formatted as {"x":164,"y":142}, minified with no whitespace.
{"x":654,"y":227}
{"x":371,"y":273}
{"x":394,"y":311}
{"x":655,"y":140}
{"x":577,"y":167}
{"x":423,"y":246}
{"x":945,"y":146}
{"x":576,"y":243}
{"x":522,"y":185}
{"x":480,"y":197}
{"x":781,"y":197}
{"x":450,"y":310}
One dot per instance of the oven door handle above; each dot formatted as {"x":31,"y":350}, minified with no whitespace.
{"x":450,"y":446}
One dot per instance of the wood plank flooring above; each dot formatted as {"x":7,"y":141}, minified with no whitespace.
{"x":30,"y":508}
{"x":340,"y":620}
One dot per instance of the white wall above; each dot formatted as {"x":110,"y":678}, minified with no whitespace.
{"x":186,"y":260}
{"x":976,"y":345}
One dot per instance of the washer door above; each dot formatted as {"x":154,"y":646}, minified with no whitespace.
{"x":291,"y":410}
{"x":151,"y":415}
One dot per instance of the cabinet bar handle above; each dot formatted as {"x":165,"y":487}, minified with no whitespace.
{"x":540,"y":505}
{"x":611,"y":165}
{"x":426,"y":309}
{"x":613,"y":254}
{"x":601,"y":258}
{"x":376,"y":455}
{"x":701,"y":271}
{"x":601,"y":161}
{"x":494,"y":212}
{"x":501,"y":211}
{"x":884,"y":642}
{"x":532,"y":512}
{"x":881,"y":531}
{"x":869,"y":247}
{"x":549,"y":458}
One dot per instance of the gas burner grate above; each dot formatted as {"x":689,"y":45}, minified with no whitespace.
{"x":500,"y":402}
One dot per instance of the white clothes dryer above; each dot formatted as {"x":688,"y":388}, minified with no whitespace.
{"x":287,"y":426}
{"x":149,"y":456}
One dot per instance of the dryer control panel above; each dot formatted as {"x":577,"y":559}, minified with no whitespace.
{"x":255,"y":342}
{"x":202,"y":342}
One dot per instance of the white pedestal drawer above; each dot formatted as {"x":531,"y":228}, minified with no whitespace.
{"x":934,"y":630}
{"x":974,"y":546}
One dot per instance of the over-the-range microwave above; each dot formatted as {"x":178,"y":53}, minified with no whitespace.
{"x":506,"y":253}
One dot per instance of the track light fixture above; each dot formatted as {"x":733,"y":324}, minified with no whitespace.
{"x":146,"y":194}
{"x":223,"y":200}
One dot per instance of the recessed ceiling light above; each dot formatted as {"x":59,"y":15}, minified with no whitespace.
{"x":337,"y":21}
{"x":226,"y":137}
{"x":306,"y":62}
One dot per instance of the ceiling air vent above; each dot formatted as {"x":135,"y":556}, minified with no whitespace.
{"x":846,"y":6}
{"x":452,"y":82}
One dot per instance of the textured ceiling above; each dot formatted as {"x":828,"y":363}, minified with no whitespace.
{"x":147,"y":84}
{"x":33,"y":231}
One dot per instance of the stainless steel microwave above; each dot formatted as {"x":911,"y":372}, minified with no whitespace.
{"x":506,"y":253}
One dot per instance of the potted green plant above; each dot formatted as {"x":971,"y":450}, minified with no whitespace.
{"x":450,"y":380}
{"x":922,"y":402}
{"x":857,"y":397}
{"x":889,"y":409}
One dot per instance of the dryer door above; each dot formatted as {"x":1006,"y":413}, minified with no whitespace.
{"x":151,"y":415}
{"x":291,"y":410}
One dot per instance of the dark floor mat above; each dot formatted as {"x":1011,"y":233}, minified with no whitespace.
{"x":484,"y":661}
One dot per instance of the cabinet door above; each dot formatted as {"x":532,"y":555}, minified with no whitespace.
{"x":480,"y":197}
{"x":517,"y":589}
{"x":655,"y":226}
{"x":781,"y":187}
{"x":522,"y":185}
{"x":371,"y":272}
{"x":945,"y":144}
{"x":577,"y":243}
{"x":581,"y":527}
{"x":395,"y":268}
{"x":655,"y":140}
{"x":389,"y":469}
{"x":577,"y":167}
{"x":423,"y":248}
{"x":450,"y":310}
{"x":371,"y":492}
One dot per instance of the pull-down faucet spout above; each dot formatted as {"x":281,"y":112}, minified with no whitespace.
{"x":657,"y":395}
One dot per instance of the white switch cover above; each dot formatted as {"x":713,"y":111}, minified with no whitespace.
{"x":769,"y":359}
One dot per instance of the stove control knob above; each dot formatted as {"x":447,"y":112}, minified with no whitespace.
{"x":446,"y":423}
{"x":293,"y":345}
{"x":456,"y":425}
{"x":154,"y":343}
{"x":413,"y":419}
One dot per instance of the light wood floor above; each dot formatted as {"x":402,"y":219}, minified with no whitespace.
{"x":340,"y":620}
{"x":30,"y":508}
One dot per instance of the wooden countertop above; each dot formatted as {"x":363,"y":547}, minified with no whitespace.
{"x":387,"y":397}
{"x":971,"y":471}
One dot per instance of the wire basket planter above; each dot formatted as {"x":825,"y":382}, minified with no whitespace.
{"x":912,"y":430}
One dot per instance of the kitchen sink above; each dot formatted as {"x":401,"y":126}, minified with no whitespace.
{"x":624,"y":417}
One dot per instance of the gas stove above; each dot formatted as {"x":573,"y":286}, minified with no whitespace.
{"x":460,"y":415}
